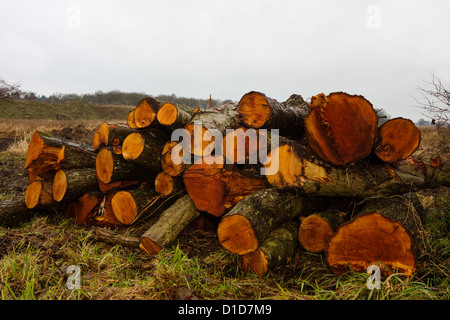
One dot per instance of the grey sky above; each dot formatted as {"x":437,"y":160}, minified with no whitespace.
{"x":380,"y":49}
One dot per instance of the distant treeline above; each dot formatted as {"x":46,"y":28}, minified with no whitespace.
{"x":117,"y":97}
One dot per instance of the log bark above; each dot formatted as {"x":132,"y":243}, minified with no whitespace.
{"x":225,"y":185}
{"x":14,"y":211}
{"x":341,"y":128}
{"x":174,"y":116}
{"x":201,"y":139}
{"x":247,"y":225}
{"x":169,"y":225}
{"x":145,"y":112}
{"x":276,"y":250}
{"x":256,"y":110}
{"x":396,"y":140}
{"x":370,"y":239}
{"x":115,"y":238}
{"x":111,"y":168}
{"x":145,"y":148}
{"x":316,"y":229}
{"x":70,"y":185}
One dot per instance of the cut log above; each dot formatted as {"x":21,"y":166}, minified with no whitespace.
{"x":174,"y":116}
{"x":341,"y":128}
{"x":128,"y":205}
{"x":316,"y":229}
{"x":145,"y":112}
{"x":245,"y":227}
{"x":39,"y":193}
{"x":371,"y":239}
{"x":201,"y":139}
{"x":115,"y":238}
{"x":256,"y":110}
{"x":111,"y":168}
{"x":145,"y":148}
{"x":299,"y":167}
{"x":46,"y":153}
{"x":14,"y":211}
{"x":169,"y":225}
{"x":70,"y":185}
{"x":276,"y":250}
{"x":396,"y":140}
{"x":109,"y":134}
{"x":225,"y":186}
{"x":166,"y":185}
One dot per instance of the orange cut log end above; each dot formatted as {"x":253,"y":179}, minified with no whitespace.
{"x":132,"y":146}
{"x":396,"y":140}
{"x":145,"y":112}
{"x":104,"y":165}
{"x":124,"y":207}
{"x":314,"y":233}
{"x":167,"y":115}
{"x":371,"y":239}
{"x":237,"y":227}
{"x":32,"y":194}
{"x":59,"y":185}
{"x":254,"y":109}
{"x":164,"y":184}
{"x":341,"y":128}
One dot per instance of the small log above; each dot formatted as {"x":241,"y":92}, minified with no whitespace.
{"x":111,"y":168}
{"x":128,"y":205}
{"x":316,"y":229}
{"x":225,"y":185}
{"x":245,"y":227}
{"x":166,"y":185}
{"x":70,"y":185}
{"x":145,"y":148}
{"x":39,"y":193}
{"x":201,"y":140}
{"x":169,"y":225}
{"x":167,"y":163}
{"x":276,"y":250}
{"x":396,"y":140}
{"x":371,"y":239}
{"x":115,"y":238}
{"x":174,"y":116}
{"x":341,"y":128}
{"x":256,"y":110}
{"x":145,"y":112}
{"x":110,"y":134}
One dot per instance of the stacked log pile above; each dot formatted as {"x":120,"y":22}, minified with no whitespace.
{"x":275,"y":192}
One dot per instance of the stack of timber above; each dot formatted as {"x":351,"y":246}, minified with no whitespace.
{"x":280,"y":178}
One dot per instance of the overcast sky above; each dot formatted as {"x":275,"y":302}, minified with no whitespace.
{"x":380,"y":49}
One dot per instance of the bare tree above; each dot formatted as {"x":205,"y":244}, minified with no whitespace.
{"x":435,"y":101}
{"x":8,"y":91}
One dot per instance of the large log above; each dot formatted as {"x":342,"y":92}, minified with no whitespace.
{"x":225,"y":186}
{"x":145,"y":148}
{"x":169,"y":225}
{"x":277,"y":249}
{"x":201,"y":137}
{"x":46,"y":152}
{"x":370,"y":239}
{"x":341,"y":128}
{"x":256,"y":110}
{"x":245,"y":227}
{"x":299,"y":167}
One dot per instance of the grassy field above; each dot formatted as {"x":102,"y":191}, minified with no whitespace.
{"x":35,"y":255}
